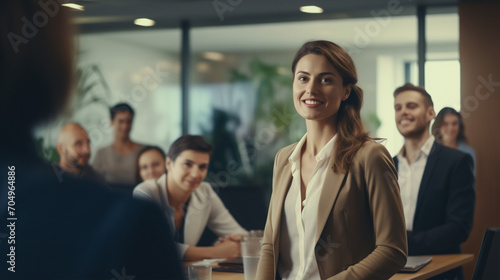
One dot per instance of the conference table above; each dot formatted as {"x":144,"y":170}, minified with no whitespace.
{"x":439,"y":264}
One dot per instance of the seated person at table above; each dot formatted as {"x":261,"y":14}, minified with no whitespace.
{"x":191,"y":203}
{"x":73,"y":146}
{"x":117,"y":162}
{"x":150,"y":163}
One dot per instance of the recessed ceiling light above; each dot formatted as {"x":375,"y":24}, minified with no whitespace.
{"x":144,"y":22}
{"x":311,"y":9}
{"x":213,"y":56}
{"x":74,"y":6}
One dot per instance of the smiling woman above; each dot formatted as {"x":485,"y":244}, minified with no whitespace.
{"x":335,"y":187}
{"x":150,"y":163}
{"x":449,"y":130}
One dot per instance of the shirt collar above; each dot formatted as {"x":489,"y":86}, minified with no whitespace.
{"x":425,"y":149}
{"x":325,"y":153}
{"x":295,"y":156}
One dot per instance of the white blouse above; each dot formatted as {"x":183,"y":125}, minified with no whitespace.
{"x":298,"y":227}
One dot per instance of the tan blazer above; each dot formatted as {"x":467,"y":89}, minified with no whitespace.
{"x":360,"y":233}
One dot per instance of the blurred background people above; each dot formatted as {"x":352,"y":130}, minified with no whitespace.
{"x":150,"y":163}
{"x":73,"y":146}
{"x":449,"y":130}
{"x":67,"y":229}
{"x":191,"y":203}
{"x":436,"y":182}
{"x":118,"y":161}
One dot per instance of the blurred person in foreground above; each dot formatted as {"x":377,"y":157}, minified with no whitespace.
{"x":335,"y":210}
{"x":436,"y":182}
{"x":449,"y":130}
{"x":61,"y":229}
{"x":73,"y":146}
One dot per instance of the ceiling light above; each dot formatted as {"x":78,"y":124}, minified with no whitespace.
{"x":86,"y":20}
{"x":144,"y":22}
{"x":311,"y":9}
{"x":74,"y":6}
{"x":213,"y":56}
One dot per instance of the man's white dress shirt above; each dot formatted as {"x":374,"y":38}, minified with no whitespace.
{"x":410,"y":177}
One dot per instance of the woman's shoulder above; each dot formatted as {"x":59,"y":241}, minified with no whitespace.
{"x":373,"y":145}
{"x":372,"y":150}
{"x":462,"y":146}
{"x":286,"y":151}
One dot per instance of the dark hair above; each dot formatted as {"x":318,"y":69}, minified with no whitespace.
{"x":351,"y":134}
{"x":146,"y":149}
{"x":121,"y":107}
{"x":189,"y":142}
{"x":408,"y":86}
{"x":438,"y":123}
{"x":36,"y":70}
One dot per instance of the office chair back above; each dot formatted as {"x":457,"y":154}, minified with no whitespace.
{"x":488,"y":261}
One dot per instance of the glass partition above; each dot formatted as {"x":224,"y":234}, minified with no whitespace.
{"x":140,"y":68}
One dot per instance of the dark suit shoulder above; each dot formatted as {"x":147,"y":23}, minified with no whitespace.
{"x":443,"y":150}
{"x":450,"y":157}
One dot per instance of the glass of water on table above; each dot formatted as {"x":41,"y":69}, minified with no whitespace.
{"x":250,"y":252}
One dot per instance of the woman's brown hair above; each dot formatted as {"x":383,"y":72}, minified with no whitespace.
{"x":438,"y":123}
{"x":351,"y":133}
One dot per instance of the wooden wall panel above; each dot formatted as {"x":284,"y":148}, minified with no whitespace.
{"x":480,"y":81}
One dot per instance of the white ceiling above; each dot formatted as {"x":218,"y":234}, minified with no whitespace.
{"x":400,"y":30}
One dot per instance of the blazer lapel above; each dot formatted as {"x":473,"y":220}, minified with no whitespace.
{"x":428,"y":171}
{"x":329,"y":194}
{"x":282,"y":182}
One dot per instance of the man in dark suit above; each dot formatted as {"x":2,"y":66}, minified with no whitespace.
{"x":436,"y":182}
{"x":53,"y":227}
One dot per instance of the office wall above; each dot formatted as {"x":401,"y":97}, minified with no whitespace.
{"x":480,"y":71}
{"x":125,"y":67}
